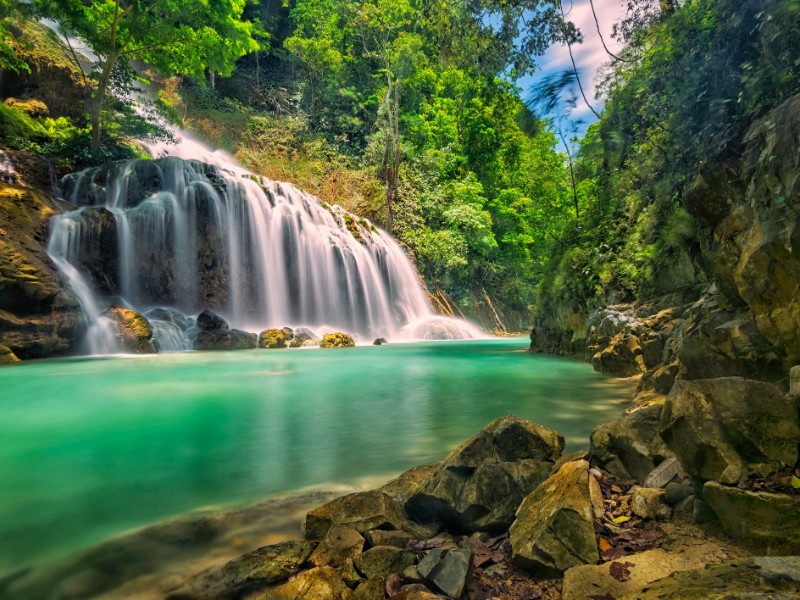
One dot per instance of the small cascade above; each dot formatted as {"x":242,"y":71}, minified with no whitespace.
{"x":64,"y":248}
{"x":176,"y":232}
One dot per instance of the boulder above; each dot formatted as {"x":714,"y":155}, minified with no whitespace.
{"x":404,"y":486}
{"x":448,"y":570}
{"x":480,"y":484}
{"x":373,"y":588}
{"x":133,"y":332}
{"x":340,"y":543}
{"x":630,"y":447}
{"x":316,"y":584}
{"x":381,"y":561}
{"x":210,"y":321}
{"x":169,"y":315}
{"x":650,"y":503}
{"x":756,"y":577}
{"x":253,"y":570}
{"x":7,"y":357}
{"x":212,"y":332}
{"x":730,"y":428}
{"x":272,"y":338}
{"x":380,"y":341}
{"x":337,"y":340}
{"x":362,"y":511}
{"x":630,"y":574}
{"x":769,"y":518}
{"x":554,"y":528}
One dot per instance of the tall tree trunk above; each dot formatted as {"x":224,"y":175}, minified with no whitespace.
{"x":98,"y":100}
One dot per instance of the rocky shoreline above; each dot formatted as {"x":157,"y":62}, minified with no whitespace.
{"x":505,"y":515}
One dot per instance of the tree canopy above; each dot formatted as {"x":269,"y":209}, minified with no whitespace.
{"x":172,"y":36}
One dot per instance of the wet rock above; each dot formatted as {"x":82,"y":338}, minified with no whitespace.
{"x":272,"y":338}
{"x":554,"y":528}
{"x":7,"y":357}
{"x":251,"y":571}
{"x":381,"y":561}
{"x":340,"y":543}
{"x":482,"y":482}
{"x":380,"y":341}
{"x":630,"y":447}
{"x":362,"y":511}
{"x":212,"y":332}
{"x":169,"y":315}
{"x":316,"y":584}
{"x":349,"y":573}
{"x":210,"y":321}
{"x":38,"y":317}
{"x":773,"y":519}
{"x":730,"y":428}
{"x":650,"y":503}
{"x":774,"y":578}
{"x":336,"y":340}
{"x":133,"y":331}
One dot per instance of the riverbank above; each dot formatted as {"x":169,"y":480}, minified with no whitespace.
{"x":505,"y":515}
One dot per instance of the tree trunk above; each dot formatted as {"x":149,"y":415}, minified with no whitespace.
{"x":98,"y":99}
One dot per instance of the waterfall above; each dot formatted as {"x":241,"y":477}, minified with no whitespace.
{"x":191,"y":234}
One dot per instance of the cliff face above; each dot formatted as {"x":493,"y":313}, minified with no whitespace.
{"x":743,"y":316}
{"x":38,"y":316}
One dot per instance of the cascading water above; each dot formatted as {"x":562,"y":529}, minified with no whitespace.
{"x":191,"y":235}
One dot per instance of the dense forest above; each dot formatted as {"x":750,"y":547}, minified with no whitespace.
{"x":408,"y":113}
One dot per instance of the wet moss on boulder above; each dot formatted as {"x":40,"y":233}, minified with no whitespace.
{"x":337,"y":340}
{"x":133,"y":330}
{"x":272,"y":338}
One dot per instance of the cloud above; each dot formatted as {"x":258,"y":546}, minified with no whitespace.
{"x":589,"y":55}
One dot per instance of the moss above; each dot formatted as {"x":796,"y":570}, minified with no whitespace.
{"x":133,"y":330}
{"x":337,"y":340}
{"x":272,"y":338}
{"x":7,"y":357}
{"x":352,"y":226}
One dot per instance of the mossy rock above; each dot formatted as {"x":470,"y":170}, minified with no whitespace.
{"x":337,"y":340}
{"x":7,"y":357}
{"x":272,"y":338}
{"x":133,"y":330}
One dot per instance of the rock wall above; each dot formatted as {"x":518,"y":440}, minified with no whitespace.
{"x":745,"y":319}
{"x":38,"y":316}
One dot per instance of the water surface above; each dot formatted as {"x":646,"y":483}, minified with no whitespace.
{"x":92,"y":447}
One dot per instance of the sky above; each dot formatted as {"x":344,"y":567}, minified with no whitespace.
{"x":589,"y":56}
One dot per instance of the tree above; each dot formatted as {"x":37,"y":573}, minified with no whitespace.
{"x":9,"y":61}
{"x":172,"y":36}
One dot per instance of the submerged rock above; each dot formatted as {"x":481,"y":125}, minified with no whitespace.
{"x":482,"y":482}
{"x":730,"y":428}
{"x":337,"y":340}
{"x":133,"y":331}
{"x":380,"y":341}
{"x":554,"y":529}
{"x":256,"y":569}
